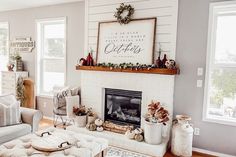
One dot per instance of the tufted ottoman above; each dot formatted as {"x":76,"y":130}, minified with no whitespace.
{"x":87,"y":146}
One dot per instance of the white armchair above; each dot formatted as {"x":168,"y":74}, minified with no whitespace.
{"x":60,"y":100}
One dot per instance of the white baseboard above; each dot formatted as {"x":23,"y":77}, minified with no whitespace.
{"x":211,"y":152}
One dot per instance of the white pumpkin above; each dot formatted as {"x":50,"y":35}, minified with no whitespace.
{"x":138,"y":131}
{"x":138,"y":137}
{"x":130,"y":134}
{"x":98,"y":122}
{"x":100,"y":128}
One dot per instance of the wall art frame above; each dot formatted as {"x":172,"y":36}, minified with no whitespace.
{"x":129,"y":43}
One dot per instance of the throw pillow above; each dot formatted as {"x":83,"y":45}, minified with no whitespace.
{"x":9,"y":114}
{"x":8,"y":99}
{"x":75,"y":91}
{"x":59,"y":98}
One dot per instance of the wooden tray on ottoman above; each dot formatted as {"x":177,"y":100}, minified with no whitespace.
{"x":52,"y":142}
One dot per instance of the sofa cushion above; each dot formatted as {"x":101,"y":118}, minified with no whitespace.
{"x":11,"y":132}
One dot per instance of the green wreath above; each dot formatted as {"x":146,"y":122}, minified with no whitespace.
{"x":118,"y":14}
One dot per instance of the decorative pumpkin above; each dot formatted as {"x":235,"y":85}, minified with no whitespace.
{"x":170,"y":64}
{"x":100,"y":128}
{"x":138,"y":131}
{"x":130,"y":134}
{"x":91,"y":127}
{"x":138,"y":137}
{"x":87,"y":126}
{"x":98,"y":122}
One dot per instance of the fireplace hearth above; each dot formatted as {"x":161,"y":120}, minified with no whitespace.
{"x":123,"y":107}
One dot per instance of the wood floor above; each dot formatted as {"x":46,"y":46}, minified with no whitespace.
{"x":45,"y":123}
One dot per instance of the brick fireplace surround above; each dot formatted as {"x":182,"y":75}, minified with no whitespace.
{"x":153,"y":87}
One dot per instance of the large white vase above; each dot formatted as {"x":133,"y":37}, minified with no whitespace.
{"x":153,"y":133}
{"x":80,"y":121}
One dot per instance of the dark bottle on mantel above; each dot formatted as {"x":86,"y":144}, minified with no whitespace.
{"x":159,"y":62}
{"x":164,"y":61}
{"x":89,"y":60}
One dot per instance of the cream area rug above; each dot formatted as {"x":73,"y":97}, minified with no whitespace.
{"x":118,"y":152}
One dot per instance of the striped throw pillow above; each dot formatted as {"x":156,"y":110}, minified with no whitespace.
{"x":7,"y":99}
{"x":10,"y":113}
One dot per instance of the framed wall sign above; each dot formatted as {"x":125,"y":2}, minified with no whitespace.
{"x":133,"y":42}
{"x":22,"y":44}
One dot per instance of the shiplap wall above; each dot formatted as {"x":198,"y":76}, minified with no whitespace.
{"x":166,"y":12}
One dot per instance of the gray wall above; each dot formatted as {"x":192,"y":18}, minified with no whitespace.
{"x":188,"y":99}
{"x":22,"y":23}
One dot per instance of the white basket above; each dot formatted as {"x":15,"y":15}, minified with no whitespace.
{"x":80,"y":121}
{"x":153,"y":133}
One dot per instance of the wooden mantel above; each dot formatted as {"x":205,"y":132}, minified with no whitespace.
{"x":162,"y":71}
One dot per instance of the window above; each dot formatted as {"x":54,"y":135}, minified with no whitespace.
{"x":220,"y":82}
{"x":4,"y":54}
{"x":4,"y":37}
{"x":51,"y":55}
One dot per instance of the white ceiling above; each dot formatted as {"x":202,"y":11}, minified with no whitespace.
{"x":6,"y":5}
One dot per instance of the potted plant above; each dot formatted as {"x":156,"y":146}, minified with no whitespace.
{"x":18,"y":63}
{"x":80,"y":116}
{"x":156,"y":117}
{"x":91,"y":116}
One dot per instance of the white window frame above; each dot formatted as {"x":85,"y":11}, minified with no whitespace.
{"x":8,"y":48}
{"x":38,"y":56}
{"x":214,"y":12}
{"x":8,"y":37}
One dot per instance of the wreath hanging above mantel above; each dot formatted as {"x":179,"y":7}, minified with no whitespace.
{"x":124,"y":13}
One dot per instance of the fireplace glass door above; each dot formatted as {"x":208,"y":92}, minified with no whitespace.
{"x":123,"y":106}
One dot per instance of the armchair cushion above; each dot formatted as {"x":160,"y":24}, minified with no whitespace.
{"x":31,"y":117}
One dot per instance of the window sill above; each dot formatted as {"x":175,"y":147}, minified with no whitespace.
{"x":219,"y":121}
{"x":45,"y":96}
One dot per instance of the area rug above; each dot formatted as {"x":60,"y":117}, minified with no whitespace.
{"x":118,"y":152}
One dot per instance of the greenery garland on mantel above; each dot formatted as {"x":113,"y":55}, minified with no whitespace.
{"x":121,"y":10}
{"x":132,"y":66}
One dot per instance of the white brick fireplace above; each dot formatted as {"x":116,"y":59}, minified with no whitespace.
{"x":153,"y":87}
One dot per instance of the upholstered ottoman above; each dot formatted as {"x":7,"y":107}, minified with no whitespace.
{"x":86,"y":146}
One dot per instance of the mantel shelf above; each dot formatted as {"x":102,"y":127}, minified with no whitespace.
{"x":162,"y":71}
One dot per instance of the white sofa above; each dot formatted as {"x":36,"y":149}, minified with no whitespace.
{"x":30,"y":122}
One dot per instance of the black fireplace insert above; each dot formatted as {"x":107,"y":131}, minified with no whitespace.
{"x":123,"y":106}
